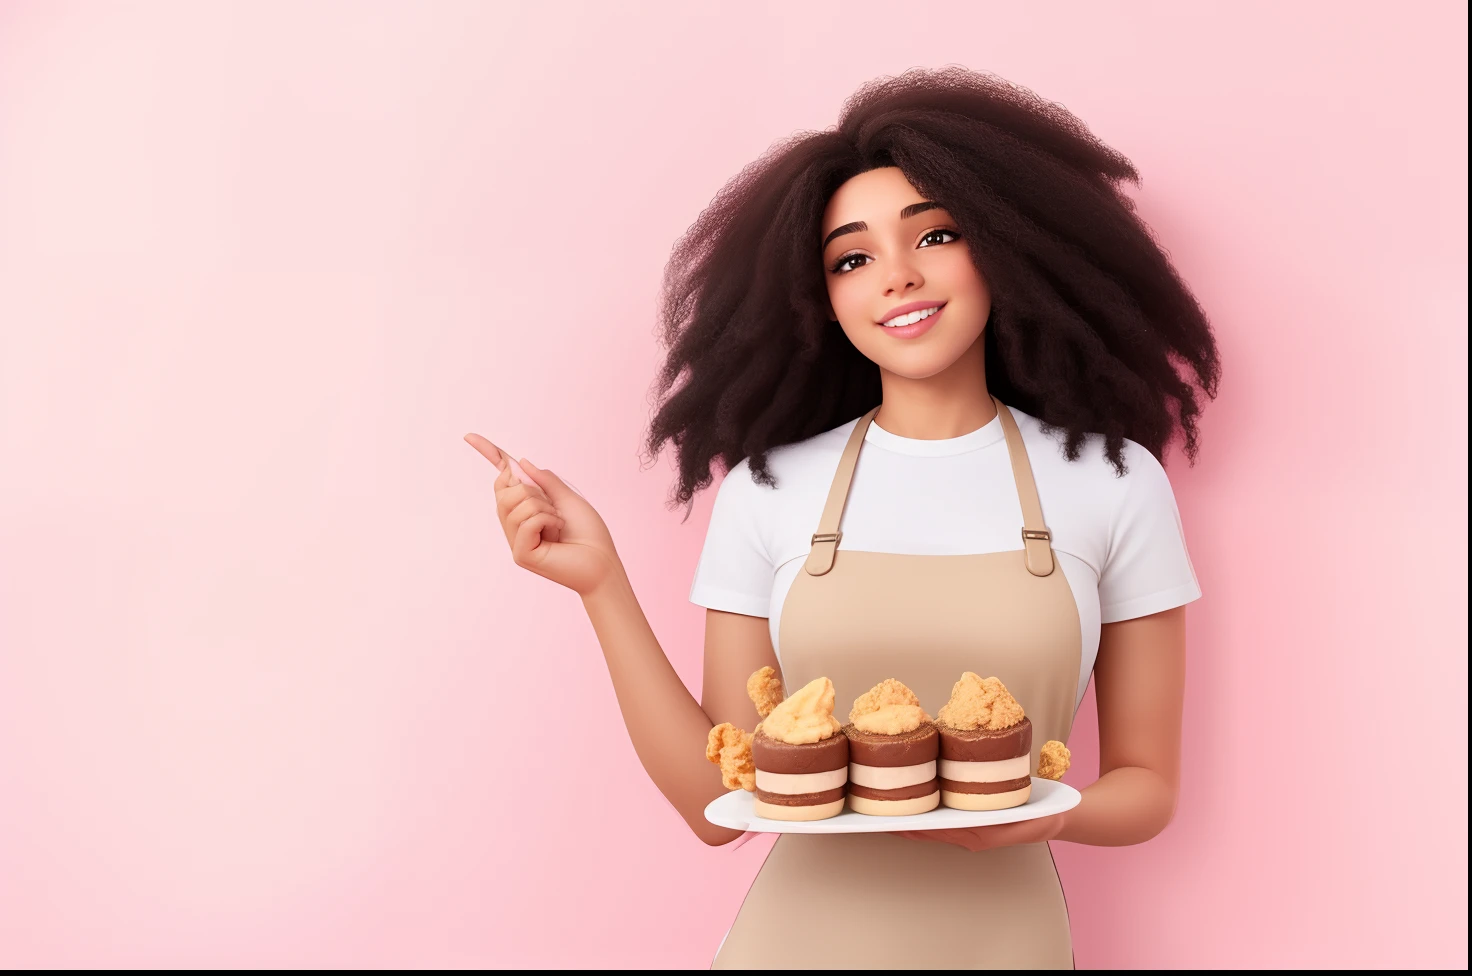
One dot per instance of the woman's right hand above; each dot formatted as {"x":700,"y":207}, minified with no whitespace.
{"x":552,"y":530}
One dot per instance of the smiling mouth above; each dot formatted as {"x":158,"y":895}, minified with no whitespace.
{"x":910,"y":318}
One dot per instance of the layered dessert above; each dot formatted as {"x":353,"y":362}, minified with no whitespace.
{"x":892,"y":752}
{"x":801,"y":758}
{"x":985,"y":747}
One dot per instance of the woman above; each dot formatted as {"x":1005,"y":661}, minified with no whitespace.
{"x":939,"y":357}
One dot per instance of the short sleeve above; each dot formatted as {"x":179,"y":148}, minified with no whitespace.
{"x":735,"y":572}
{"x":1147,"y":569}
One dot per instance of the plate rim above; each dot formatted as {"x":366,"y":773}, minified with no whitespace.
{"x":1060,"y":792}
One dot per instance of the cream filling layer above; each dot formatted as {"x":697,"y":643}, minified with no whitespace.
{"x":891,"y":777}
{"x":794,"y":784}
{"x":986,"y":772}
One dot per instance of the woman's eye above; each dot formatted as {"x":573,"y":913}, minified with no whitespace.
{"x":939,"y":237}
{"x":850,"y":262}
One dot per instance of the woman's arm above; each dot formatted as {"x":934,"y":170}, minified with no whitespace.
{"x":667,"y":725}
{"x":555,"y":533}
{"x":1139,"y":685}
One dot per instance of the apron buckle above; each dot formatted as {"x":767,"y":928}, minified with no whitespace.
{"x":820,"y":561}
{"x":1039,"y":559}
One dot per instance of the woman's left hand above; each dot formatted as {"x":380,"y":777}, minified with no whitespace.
{"x":1000,"y":835}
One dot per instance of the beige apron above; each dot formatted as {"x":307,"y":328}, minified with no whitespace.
{"x":862,"y":901}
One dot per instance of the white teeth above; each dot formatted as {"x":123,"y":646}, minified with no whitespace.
{"x":911,"y":318}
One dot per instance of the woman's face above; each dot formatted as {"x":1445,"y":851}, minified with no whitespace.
{"x":900,"y":279}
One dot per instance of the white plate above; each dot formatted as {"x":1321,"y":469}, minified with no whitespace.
{"x":1048,"y":797}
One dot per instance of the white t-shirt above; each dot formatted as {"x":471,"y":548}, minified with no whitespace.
{"x":1118,"y":539}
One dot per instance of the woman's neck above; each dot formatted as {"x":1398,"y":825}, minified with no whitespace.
{"x":951,"y":403}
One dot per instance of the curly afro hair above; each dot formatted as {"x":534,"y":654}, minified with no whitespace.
{"x":1091,"y":330}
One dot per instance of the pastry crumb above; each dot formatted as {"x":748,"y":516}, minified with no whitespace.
{"x":1055,"y":760}
{"x":730,"y":748}
{"x":764,"y":689}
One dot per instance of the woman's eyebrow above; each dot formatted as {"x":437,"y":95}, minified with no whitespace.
{"x":858,"y":225}
{"x":852,"y":228}
{"x":917,"y":208}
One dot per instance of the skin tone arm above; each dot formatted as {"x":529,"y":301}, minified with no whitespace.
{"x":1139,"y":683}
{"x":667,"y":725}
{"x":670,"y":741}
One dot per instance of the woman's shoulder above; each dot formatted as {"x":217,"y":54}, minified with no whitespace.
{"x":1096,"y":512}
{"x":1090,"y":479}
{"x":796,"y":467}
{"x":792,"y":497}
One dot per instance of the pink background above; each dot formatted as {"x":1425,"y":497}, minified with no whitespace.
{"x":267,"y":674}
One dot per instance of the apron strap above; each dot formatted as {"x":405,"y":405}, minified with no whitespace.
{"x":1036,"y":539}
{"x":825,"y":540}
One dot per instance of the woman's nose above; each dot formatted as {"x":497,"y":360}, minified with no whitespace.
{"x":902,"y":277}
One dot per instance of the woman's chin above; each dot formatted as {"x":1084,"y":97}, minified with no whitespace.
{"x":921,"y":358}
{"x":917,"y":367}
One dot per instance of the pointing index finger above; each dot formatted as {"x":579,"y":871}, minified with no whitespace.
{"x":489,"y":451}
